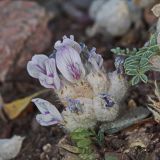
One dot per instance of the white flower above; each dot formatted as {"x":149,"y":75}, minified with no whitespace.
{"x":36,"y":66}
{"x":79,"y":114}
{"x":106,"y":109}
{"x":68,"y":42}
{"x":44,"y":69}
{"x":96,"y":60}
{"x":69,"y":63}
{"x":49,"y":113}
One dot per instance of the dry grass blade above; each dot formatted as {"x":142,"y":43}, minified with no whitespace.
{"x":154,"y":107}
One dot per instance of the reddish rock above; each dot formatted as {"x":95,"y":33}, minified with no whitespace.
{"x":23,"y":32}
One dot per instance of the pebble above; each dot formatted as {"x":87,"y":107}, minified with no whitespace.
{"x":47,"y":148}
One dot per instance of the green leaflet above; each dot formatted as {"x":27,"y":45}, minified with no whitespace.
{"x":132,"y":72}
{"x":82,"y":138}
{"x":137,"y":62}
{"x":127,"y":51}
{"x":137,"y":65}
{"x":153,"y":39}
{"x":135,"y":80}
{"x":83,"y":143}
{"x":143,"y":62}
{"x":111,"y":157}
{"x":154,"y":48}
{"x":143,"y":78}
{"x":80,"y":134}
{"x":148,"y":54}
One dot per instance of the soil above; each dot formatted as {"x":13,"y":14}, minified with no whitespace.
{"x":36,"y":137}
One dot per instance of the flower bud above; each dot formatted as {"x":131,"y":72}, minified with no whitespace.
{"x":98,"y":82}
{"x":79,"y":114}
{"x":118,"y":86}
{"x":79,"y":89}
{"x":106,"y":109}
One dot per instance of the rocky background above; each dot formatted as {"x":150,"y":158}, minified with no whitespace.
{"x":32,"y":27}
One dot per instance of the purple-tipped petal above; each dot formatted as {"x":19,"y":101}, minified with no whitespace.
{"x":74,"y":105}
{"x":36,"y":65}
{"x":108,"y":100}
{"x":51,"y":73}
{"x":119,"y":63}
{"x":68,"y":42}
{"x":69,"y":63}
{"x":46,"y":120}
{"x":95,"y":59}
{"x":44,"y":69}
{"x":46,"y":82}
{"x":47,"y":109}
{"x":41,"y":105}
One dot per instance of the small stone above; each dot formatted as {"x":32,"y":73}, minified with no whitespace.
{"x":132,"y":104}
{"x":44,"y":156}
{"x":47,"y":148}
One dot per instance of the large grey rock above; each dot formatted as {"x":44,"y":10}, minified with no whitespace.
{"x":23,"y":32}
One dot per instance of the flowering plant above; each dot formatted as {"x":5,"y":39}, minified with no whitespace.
{"x":78,"y":77}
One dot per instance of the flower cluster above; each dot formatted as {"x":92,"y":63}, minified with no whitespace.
{"x":78,"y":77}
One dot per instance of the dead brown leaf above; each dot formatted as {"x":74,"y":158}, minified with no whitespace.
{"x":15,"y":108}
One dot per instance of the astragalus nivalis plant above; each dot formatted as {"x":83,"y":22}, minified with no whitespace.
{"x":79,"y":79}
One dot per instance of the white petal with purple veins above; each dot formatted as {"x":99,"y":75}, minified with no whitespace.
{"x":68,"y":42}
{"x":50,"y":115}
{"x":44,"y":69}
{"x":44,"y":82}
{"x":52,"y":73}
{"x":36,"y":65}
{"x":46,"y":120}
{"x":69,"y":63}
